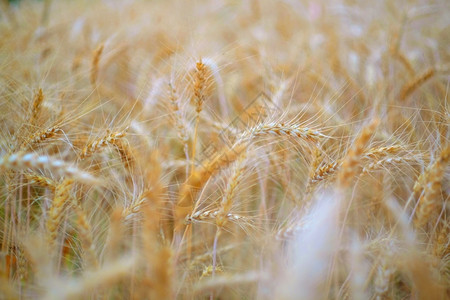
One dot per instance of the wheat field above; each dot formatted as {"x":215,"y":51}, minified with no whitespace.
{"x":224,"y":149}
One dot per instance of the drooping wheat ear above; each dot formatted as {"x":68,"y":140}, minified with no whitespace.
{"x":304,"y":133}
{"x":227,"y":200}
{"x":41,"y":136}
{"x":36,"y":107}
{"x":85,"y":235}
{"x":41,"y":181}
{"x":37,"y":162}
{"x":95,"y":60}
{"x":56,"y":211}
{"x":178,"y":121}
{"x":109,"y":139}
{"x":429,"y":198}
{"x":199,"y":87}
{"x":417,"y":81}
{"x":350,"y":164}
{"x":189,"y":189}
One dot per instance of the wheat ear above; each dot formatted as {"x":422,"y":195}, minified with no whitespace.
{"x":36,"y":107}
{"x":428,"y":200}
{"x":95,"y":61}
{"x":85,"y":235}
{"x":199,"y":176}
{"x":56,"y":211}
{"x":41,"y":181}
{"x":178,"y":121}
{"x":42,"y":136}
{"x":305,"y":133}
{"x":109,"y":139}
{"x":351,"y":161}
{"x":37,"y":162}
{"x":199,"y":99}
{"x":417,"y":81}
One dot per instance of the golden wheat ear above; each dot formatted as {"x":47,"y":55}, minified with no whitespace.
{"x":23,"y":161}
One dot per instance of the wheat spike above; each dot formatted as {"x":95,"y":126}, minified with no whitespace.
{"x":21,"y":161}
{"x":56,"y":211}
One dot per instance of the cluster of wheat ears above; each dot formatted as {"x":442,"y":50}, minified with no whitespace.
{"x":224,"y":149}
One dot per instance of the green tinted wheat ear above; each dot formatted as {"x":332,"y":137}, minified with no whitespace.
{"x":23,"y":161}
